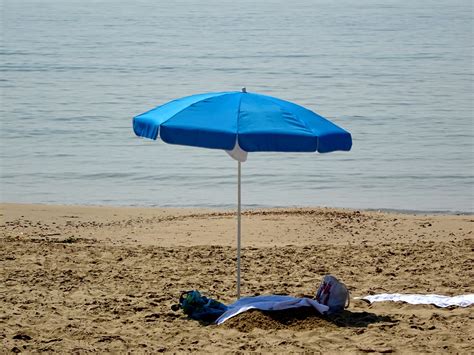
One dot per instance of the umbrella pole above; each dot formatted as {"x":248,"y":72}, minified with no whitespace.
{"x":238,"y":232}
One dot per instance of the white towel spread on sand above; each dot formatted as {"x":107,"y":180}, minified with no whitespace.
{"x":269,"y":303}
{"x":437,"y":300}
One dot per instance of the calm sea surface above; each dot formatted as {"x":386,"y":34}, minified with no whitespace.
{"x":397,"y":74}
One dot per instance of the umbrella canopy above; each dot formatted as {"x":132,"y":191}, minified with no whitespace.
{"x":252,"y":122}
{"x":240,"y":122}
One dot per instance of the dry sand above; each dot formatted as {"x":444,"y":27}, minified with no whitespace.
{"x":76,"y":279}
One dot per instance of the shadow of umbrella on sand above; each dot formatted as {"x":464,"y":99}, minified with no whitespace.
{"x":240,"y":122}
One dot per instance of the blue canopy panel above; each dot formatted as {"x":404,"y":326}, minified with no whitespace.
{"x":209,"y":123}
{"x":148,"y":123}
{"x":330,"y":137}
{"x":266,"y":126}
{"x":259,"y":122}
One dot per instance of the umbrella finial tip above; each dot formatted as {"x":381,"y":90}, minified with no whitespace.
{"x":244,"y":89}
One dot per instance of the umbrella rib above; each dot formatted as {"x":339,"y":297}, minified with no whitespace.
{"x":238,"y":117}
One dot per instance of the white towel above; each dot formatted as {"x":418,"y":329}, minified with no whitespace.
{"x":269,"y":303}
{"x":438,"y":300}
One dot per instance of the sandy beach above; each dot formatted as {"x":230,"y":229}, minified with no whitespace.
{"x":78,"y":279}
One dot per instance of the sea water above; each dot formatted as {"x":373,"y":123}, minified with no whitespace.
{"x":397,"y":74}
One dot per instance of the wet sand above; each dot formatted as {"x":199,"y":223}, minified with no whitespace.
{"x":77,"y":279}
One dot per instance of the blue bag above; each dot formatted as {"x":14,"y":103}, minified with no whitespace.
{"x":199,"y":307}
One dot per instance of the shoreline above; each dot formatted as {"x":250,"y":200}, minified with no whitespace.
{"x":253,"y":208}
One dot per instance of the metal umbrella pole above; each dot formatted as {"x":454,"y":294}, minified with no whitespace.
{"x":238,"y":230}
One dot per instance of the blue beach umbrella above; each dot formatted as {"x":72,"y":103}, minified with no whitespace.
{"x":240,"y":122}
